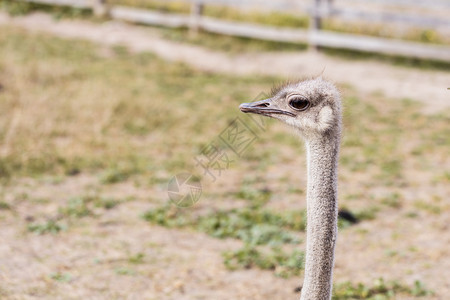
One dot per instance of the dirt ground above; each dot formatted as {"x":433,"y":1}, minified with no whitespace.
{"x":92,"y":260}
{"x":185,"y":264}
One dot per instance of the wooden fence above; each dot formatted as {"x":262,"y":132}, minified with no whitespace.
{"x":318,"y":10}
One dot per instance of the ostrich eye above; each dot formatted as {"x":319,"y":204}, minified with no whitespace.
{"x":299,"y":103}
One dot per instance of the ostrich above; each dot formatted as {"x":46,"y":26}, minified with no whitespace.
{"x":313,"y":108}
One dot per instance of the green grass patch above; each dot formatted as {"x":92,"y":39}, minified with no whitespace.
{"x":380,"y":290}
{"x":85,"y":205}
{"x":138,"y":258}
{"x":4,"y":205}
{"x":254,"y":225}
{"x":251,"y":225}
{"x":394,"y":200}
{"x":61,"y":277}
{"x":17,"y":8}
{"x":284,"y":264}
{"x":50,"y":226}
{"x":76,"y":208}
{"x":125,"y":271}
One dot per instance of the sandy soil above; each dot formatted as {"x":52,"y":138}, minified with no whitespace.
{"x":181,"y":264}
{"x":429,"y":87}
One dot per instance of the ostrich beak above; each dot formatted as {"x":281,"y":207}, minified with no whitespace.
{"x":264,"y":107}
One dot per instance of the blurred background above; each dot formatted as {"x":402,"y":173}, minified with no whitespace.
{"x":128,"y":172}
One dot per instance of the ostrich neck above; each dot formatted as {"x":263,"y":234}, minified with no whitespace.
{"x":321,"y":218}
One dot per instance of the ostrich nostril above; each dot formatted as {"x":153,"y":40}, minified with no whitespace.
{"x":262,"y":105}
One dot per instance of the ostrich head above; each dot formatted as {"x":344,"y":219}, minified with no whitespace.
{"x":310,"y":106}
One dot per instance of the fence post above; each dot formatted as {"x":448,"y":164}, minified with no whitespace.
{"x":196,"y":14}
{"x":100,"y":8}
{"x":330,"y":6}
{"x":316,"y":23}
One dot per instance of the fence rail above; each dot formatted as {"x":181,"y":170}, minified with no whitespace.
{"x":315,"y":36}
{"x":386,"y":17}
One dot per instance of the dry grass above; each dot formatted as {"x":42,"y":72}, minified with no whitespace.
{"x":72,"y":116}
{"x":90,"y":136}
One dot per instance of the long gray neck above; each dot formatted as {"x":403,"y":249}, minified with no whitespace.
{"x":321,"y":217}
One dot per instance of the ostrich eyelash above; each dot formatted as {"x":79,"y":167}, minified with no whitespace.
{"x":278,"y":87}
